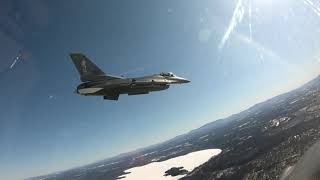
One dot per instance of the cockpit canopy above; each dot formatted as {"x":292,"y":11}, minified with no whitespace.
{"x":169,"y":74}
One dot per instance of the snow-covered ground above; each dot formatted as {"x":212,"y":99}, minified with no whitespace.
{"x":156,"y":170}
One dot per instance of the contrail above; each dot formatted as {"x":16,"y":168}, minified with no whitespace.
{"x":13,"y":63}
{"x":236,"y":19}
{"x":312,"y":6}
{"x":16,"y":59}
{"x":240,"y":11}
{"x":250,"y":18}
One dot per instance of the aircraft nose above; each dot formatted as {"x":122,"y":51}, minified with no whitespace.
{"x":184,"y":80}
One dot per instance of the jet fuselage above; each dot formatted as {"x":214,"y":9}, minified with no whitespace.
{"x":130,"y":86}
{"x":97,"y":83}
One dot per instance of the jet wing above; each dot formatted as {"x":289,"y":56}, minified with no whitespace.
{"x":111,"y":77}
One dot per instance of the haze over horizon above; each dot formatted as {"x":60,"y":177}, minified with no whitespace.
{"x":277,"y":93}
{"x":234,"y":60}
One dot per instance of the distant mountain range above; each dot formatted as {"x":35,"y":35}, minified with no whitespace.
{"x":258,"y":143}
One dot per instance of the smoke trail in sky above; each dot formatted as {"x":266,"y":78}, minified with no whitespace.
{"x":16,"y":59}
{"x":236,"y":19}
{"x":250,"y":18}
{"x":312,"y":6}
{"x":13,"y":63}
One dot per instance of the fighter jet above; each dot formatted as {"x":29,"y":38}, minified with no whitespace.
{"x":97,"y":83}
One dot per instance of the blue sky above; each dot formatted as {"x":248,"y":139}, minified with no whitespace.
{"x":45,"y":127}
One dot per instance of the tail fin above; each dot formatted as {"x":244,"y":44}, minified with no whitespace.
{"x":88,"y":70}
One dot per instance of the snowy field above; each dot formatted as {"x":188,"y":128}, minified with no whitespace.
{"x":156,"y":170}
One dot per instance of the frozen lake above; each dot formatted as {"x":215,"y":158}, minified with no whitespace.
{"x":156,"y":170}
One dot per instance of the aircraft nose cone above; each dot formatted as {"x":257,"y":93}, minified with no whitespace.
{"x":185,"y":81}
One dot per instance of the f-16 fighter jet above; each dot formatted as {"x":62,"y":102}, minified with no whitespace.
{"x":97,"y":83}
